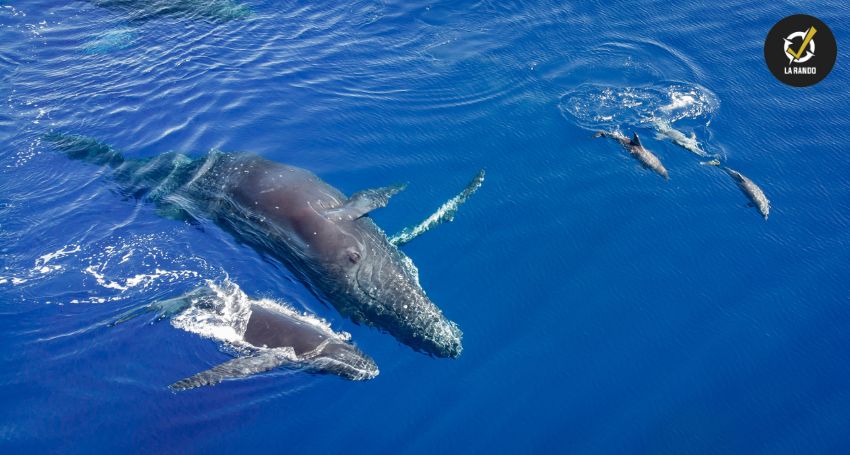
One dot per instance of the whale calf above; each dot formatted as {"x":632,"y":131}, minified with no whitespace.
{"x":637,"y":150}
{"x":757,"y":197}
{"x":689,"y":143}
{"x":268,"y":335}
{"x":322,"y":236}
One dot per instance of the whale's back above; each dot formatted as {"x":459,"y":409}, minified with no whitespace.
{"x":274,"y":329}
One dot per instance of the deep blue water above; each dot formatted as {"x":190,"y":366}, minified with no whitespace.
{"x":604,"y":310}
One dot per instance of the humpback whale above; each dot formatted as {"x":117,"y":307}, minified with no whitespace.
{"x":689,"y":143}
{"x":270,"y":336}
{"x":755,"y":194}
{"x":637,"y":150}
{"x":322,"y":236}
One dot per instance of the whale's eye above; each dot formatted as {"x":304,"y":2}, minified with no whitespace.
{"x":354,"y":256}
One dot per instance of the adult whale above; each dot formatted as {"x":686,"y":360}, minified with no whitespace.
{"x":289,"y":213}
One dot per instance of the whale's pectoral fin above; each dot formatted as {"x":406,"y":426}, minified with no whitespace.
{"x":240,"y":367}
{"x":444,"y":214}
{"x":363,"y":202}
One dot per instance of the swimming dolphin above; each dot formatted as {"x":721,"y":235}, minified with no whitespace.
{"x":689,"y":143}
{"x":637,"y":150}
{"x":324,"y":237}
{"x":271,"y":336}
{"x":750,"y":189}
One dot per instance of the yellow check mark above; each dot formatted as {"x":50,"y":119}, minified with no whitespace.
{"x":809,"y":35}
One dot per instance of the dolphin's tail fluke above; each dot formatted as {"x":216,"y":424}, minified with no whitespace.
{"x":84,"y":148}
{"x":714,"y":162}
{"x":599,"y":134}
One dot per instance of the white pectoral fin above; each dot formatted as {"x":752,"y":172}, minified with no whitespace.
{"x":240,"y":367}
{"x":363,"y":202}
{"x":445,"y":213}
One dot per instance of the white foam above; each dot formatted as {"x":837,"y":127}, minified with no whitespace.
{"x":679,"y":101}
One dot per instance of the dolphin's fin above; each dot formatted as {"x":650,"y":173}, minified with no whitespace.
{"x":240,"y":367}
{"x":445,"y":213}
{"x":363,"y":202}
{"x":636,"y":140}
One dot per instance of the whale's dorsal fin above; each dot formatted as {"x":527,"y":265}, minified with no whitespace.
{"x":363,"y":202}
{"x":240,"y":367}
{"x":636,"y":140}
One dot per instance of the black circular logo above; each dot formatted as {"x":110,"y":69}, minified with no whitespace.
{"x":800,"y":50}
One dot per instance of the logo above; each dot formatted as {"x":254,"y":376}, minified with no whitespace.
{"x":800,"y":50}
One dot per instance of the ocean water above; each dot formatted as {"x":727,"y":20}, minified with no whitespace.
{"x":604,"y":309}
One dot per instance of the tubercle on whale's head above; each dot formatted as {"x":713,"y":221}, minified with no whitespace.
{"x":393,"y":300}
{"x":370,"y":281}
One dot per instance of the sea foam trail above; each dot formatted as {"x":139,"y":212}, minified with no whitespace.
{"x":445,"y":213}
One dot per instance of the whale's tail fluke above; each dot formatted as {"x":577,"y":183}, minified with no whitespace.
{"x":84,"y":148}
{"x":714,"y":162}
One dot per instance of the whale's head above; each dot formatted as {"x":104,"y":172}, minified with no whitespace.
{"x":345,"y":360}
{"x":378,"y":285}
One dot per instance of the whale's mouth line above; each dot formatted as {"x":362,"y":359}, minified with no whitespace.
{"x":357,"y":278}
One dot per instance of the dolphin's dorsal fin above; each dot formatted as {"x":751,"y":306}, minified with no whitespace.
{"x":636,"y":140}
{"x":240,"y":367}
{"x":363,"y":202}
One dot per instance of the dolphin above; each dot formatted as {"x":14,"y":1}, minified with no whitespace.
{"x":689,"y":143}
{"x":750,"y":189}
{"x":270,"y":336}
{"x":325,"y":238}
{"x":637,"y":150}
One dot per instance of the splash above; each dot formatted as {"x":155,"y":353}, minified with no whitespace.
{"x":111,"y":265}
{"x":598,"y":107}
{"x":43,"y":266}
{"x":223,"y":318}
